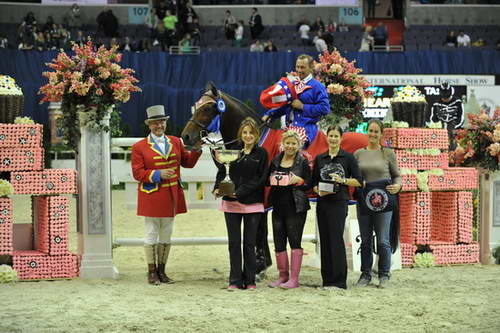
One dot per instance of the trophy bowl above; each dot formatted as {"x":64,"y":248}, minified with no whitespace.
{"x":226,"y":156}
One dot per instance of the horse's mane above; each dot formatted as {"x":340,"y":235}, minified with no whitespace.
{"x":251,"y":112}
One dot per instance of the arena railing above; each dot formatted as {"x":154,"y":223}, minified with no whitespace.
{"x":181,"y":50}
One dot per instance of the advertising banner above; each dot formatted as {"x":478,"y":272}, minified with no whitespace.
{"x":378,"y":105}
{"x":421,"y":80}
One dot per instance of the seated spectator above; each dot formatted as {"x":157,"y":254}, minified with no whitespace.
{"x":332,"y":26}
{"x":64,"y":36}
{"x":479,"y":43}
{"x":79,"y":38}
{"x":343,"y":27}
{"x":320,"y":43}
{"x":451,"y":39}
{"x":380,"y":34}
{"x":48,"y":24}
{"x":304,"y":34}
{"x":4,"y":42}
{"x":229,"y":25}
{"x":40,"y":42}
{"x":107,"y":23}
{"x":270,"y":47}
{"x":367,"y":40}
{"x":238,"y":34}
{"x":463,"y":40}
{"x":498,"y":45}
{"x":318,"y":25}
{"x":185,"y":43}
{"x":50,"y":43}
{"x":257,"y":47}
{"x":73,"y":17}
{"x":144,"y":45}
{"x":114,"y":43}
{"x":27,"y":30}
{"x":195,"y":33}
{"x":302,"y":21}
{"x":127,"y":45}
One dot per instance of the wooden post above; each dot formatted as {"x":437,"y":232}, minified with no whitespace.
{"x":485,"y":217}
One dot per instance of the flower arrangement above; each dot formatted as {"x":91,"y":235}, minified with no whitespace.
{"x":7,"y":274}
{"x":409,"y":94}
{"x":91,"y":82}
{"x":345,"y":86}
{"x":479,"y":144}
{"x":23,"y":120}
{"x":424,"y":260}
{"x":6,"y":188}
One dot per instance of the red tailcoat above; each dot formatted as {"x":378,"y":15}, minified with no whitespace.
{"x":158,"y":197}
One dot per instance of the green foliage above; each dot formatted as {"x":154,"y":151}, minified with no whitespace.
{"x":424,"y":260}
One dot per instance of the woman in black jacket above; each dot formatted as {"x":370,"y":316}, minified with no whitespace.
{"x":290,"y":178}
{"x":249,"y":174}
{"x":333,"y":172}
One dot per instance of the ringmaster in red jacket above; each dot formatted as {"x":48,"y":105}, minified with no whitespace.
{"x":156,"y":162}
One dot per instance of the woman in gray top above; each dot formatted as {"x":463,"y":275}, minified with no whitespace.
{"x":379,"y":168}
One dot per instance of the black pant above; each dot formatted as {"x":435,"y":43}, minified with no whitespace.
{"x":262,"y":253}
{"x":331,"y":222}
{"x":237,"y":276}
{"x":288,"y":225}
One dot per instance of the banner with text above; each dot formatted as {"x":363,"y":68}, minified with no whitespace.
{"x":414,"y":80}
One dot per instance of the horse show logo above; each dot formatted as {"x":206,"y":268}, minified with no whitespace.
{"x":377,"y":200}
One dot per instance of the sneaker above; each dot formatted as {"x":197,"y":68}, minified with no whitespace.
{"x":251,"y":287}
{"x":383,"y":282}
{"x":363,"y":281}
{"x":232,"y":287}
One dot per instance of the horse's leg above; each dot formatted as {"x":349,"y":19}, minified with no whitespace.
{"x":262,"y":253}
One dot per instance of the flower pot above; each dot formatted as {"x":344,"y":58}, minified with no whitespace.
{"x":11,"y":106}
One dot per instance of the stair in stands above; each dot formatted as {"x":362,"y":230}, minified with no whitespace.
{"x":395,"y":28}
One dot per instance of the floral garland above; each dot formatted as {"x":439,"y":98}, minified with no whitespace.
{"x":346,"y":89}
{"x":479,"y":144}
{"x":91,"y":82}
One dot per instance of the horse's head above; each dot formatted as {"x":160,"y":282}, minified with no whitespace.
{"x":204,"y":111}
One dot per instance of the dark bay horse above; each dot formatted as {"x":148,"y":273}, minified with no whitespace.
{"x":205,"y":110}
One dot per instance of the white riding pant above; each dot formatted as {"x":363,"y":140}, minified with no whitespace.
{"x":158,"y":230}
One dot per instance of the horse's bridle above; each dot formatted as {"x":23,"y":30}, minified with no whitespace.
{"x":203,"y":128}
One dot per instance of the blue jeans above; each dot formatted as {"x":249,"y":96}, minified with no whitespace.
{"x":381,"y":223}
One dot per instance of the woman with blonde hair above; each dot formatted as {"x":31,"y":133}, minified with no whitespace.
{"x":249,"y":174}
{"x":290,"y":178}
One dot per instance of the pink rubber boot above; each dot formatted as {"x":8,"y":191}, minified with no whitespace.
{"x":296,"y":262}
{"x":282,"y":263}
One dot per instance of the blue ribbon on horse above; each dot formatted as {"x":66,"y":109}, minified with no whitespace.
{"x":214,"y":126}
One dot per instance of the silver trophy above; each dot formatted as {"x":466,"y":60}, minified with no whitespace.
{"x":226,"y":156}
